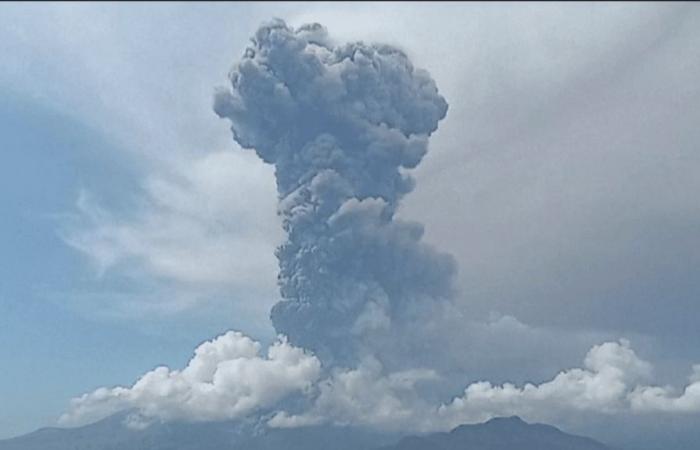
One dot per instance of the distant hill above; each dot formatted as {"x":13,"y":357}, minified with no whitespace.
{"x":508,"y":433}
{"x":111,"y":434}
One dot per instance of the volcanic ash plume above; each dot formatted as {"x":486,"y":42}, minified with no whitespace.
{"x":340,"y":124}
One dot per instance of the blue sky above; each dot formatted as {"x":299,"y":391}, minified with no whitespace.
{"x":48,"y":158}
{"x":64,"y":330}
{"x":134,"y":228}
{"x":43,"y":154}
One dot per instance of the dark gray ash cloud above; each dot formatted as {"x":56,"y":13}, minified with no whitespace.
{"x":341,"y":124}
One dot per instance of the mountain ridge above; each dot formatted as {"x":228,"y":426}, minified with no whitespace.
{"x":501,"y":433}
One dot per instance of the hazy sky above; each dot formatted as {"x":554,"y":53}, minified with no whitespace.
{"x":563,"y":180}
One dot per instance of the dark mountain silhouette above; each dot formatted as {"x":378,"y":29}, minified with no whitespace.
{"x":110,"y":434}
{"x":506,"y":433}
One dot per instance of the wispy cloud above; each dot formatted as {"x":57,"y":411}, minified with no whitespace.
{"x":209,"y":228}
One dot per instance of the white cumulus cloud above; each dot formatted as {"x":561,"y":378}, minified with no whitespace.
{"x":611,"y":381}
{"x":668,"y":399}
{"x":227,"y":378}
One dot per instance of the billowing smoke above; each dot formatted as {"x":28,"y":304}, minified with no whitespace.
{"x":340,"y":124}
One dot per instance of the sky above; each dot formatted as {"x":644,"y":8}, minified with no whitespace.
{"x":560,"y":180}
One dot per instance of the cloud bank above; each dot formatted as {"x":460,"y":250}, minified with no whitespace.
{"x":610,"y":382}
{"x":227,"y":378}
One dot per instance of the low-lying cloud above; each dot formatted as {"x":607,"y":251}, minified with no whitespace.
{"x":227,"y":378}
